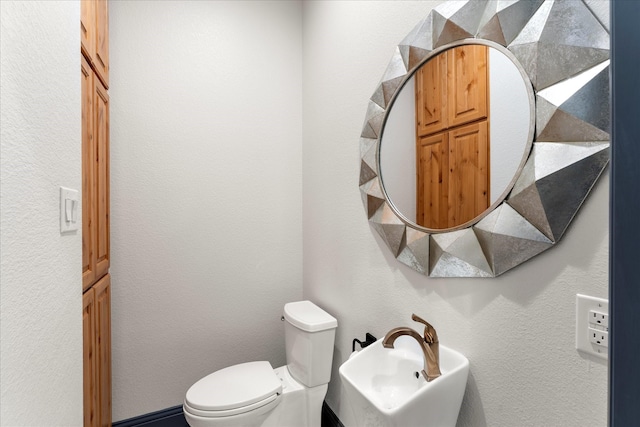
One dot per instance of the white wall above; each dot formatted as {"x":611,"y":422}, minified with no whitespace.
{"x":398,"y":152}
{"x":509,"y":126}
{"x":41,"y":285}
{"x":517,"y":330}
{"x":206,"y":190}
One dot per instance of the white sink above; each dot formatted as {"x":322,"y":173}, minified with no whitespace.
{"x":384,"y":386}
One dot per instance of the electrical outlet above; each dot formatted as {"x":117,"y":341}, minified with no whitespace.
{"x":599,"y":319}
{"x":592,"y":325}
{"x":599,"y":337}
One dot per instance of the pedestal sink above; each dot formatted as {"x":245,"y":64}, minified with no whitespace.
{"x":384,"y":386}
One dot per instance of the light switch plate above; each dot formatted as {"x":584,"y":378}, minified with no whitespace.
{"x":69,"y":201}
{"x":592,"y":325}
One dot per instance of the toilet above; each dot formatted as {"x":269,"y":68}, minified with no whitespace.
{"x":254,"y":394}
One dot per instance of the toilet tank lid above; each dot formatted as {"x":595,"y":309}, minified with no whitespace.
{"x":309,"y":317}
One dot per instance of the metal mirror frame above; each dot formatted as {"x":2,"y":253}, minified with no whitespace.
{"x":563,"y":47}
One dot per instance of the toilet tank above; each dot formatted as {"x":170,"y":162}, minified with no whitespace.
{"x":309,"y":334}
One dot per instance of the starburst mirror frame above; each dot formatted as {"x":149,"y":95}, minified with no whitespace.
{"x":563,"y":48}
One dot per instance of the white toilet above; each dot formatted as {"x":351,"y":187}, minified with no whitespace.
{"x":255,"y":394}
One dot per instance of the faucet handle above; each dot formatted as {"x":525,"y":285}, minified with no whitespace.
{"x":430,"y":335}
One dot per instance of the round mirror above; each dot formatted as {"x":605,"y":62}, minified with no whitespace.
{"x":557,"y":169}
{"x":456,"y":136}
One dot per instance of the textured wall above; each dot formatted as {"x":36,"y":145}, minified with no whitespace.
{"x":41,"y":287}
{"x":517,"y":330}
{"x":206,"y":180}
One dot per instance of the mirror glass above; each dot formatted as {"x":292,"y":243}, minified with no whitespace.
{"x":456,"y":136}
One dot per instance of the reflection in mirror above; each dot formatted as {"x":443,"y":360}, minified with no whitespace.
{"x":456,"y":136}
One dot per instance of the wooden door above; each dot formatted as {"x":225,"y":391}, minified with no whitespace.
{"x":88,"y":201}
{"x":452,"y":139}
{"x":467,"y":84}
{"x":468,"y":172}
{"x":87,"y":28}
{"x":94,"y":36}
{"x":101,"y":58}
{"x":432,"y":198}
{"x":102,"y":291}
{"x":96,"y":282}
{"x":431,"y":96}
{"x":95,"y":177}
{"x":90,"y":360}
{"x":101,"y":177}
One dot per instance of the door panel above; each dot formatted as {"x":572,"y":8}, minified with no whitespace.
{"x":89,"y":360}
{"x":467,"y":84}
{"x":103,"y":347}
{"x":87,"y":28}
{"x":469,"y":173}
{"x":101,"y":177}
{"x":433,"y":181}
{"x":431,"y":96}
{"x":101,"y":59}
{"x":88,"y":205}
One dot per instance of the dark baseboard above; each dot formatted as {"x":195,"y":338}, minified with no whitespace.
{"x":329,"y":418}
{"x":173,"y":417}
{"x":169,"y":417}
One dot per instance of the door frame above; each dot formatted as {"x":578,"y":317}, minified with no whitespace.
{"x":624,"y":253}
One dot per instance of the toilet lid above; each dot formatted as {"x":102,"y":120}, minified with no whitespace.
{"x":234,"y":387}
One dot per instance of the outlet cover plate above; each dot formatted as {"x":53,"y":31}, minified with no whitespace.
{"x":584,"y":305}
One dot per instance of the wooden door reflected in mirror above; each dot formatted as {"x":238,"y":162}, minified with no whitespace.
{"x":452,"y":137}
{"x":456,"y":134}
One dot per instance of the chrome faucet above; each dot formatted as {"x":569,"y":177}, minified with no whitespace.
{"x":429,"y":344}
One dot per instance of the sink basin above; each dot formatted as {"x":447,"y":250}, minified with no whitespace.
{"x":384,"y":386}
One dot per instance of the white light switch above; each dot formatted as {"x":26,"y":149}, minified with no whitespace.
{"x":68,"y":210}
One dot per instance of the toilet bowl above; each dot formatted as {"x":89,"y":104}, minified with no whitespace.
{"x":254,"y":394}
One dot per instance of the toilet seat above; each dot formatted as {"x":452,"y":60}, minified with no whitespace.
{"x":234,"y":390}
{"x":267,"y":403}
